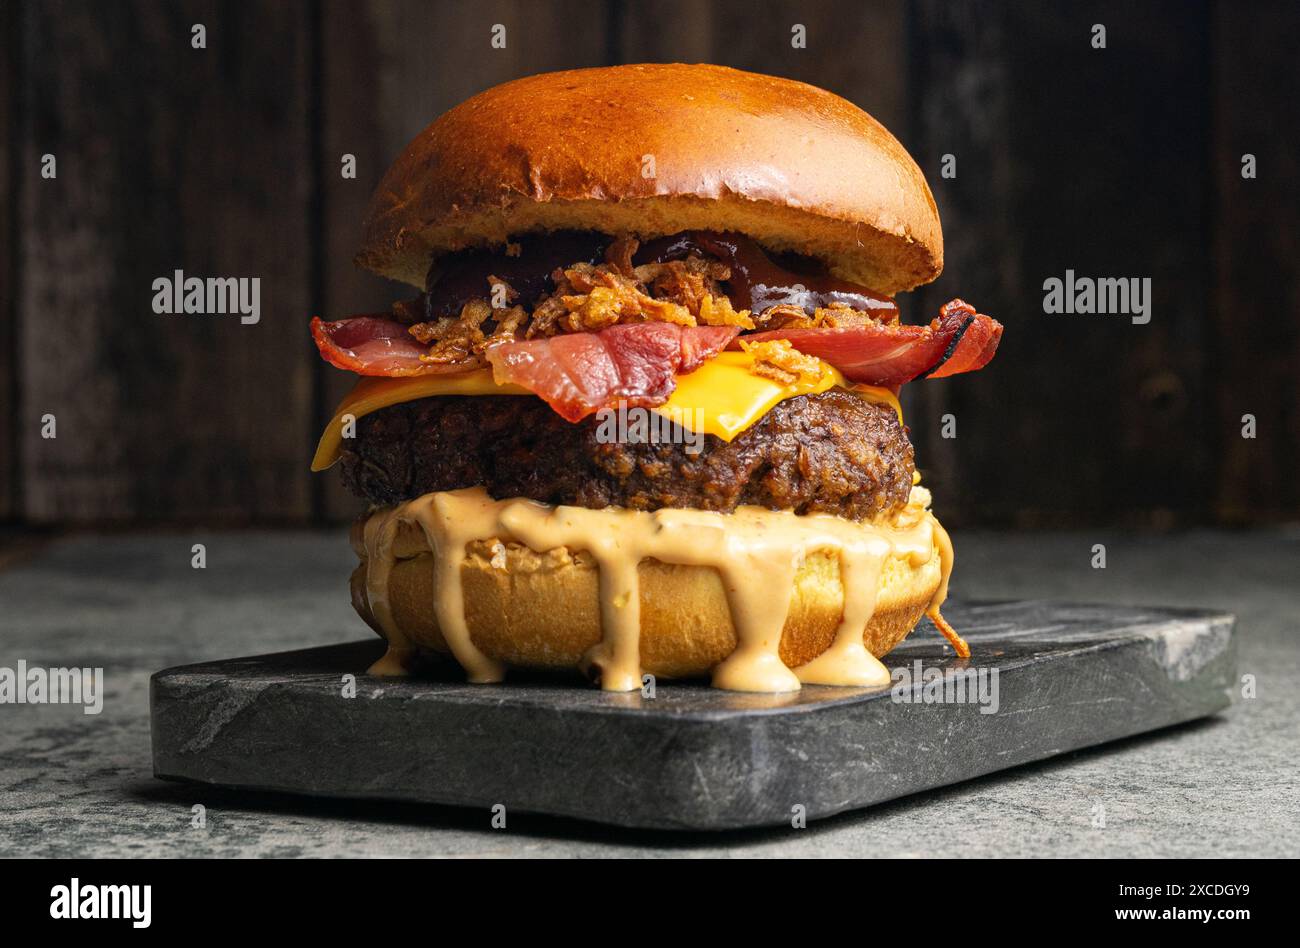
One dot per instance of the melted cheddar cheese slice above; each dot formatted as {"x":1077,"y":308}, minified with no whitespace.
{"x":723,"y":397}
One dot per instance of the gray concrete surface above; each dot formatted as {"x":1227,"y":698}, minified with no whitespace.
{"x":79,"y":785}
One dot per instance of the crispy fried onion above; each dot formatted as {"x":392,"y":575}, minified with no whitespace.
{"x":464,"y":338}
{"x":589,"y":298}
{"x":835,"y":316}
{"x":948,"y":632}
{"x":776,"y":359}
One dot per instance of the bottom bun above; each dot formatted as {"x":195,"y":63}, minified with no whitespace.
{"x":534,"y":609}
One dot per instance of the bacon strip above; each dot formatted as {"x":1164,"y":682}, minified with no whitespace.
{"x":580,"y":373}
{"x":376,"y":345}
{"x":960,"y":340}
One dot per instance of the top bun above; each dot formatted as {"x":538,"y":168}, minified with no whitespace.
{"x":653,"y":150}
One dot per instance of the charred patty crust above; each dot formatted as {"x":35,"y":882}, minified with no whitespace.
{"x":830,"y":453}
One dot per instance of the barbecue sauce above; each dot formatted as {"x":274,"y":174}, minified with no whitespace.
{"x":758,"y":282}
{"x":458,"y":278}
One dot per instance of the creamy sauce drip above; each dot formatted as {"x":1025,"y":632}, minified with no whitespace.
{"x":756,"y":552}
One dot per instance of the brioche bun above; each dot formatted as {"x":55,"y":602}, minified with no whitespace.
{"x":792,"y":166}
{"x":541,"y":609}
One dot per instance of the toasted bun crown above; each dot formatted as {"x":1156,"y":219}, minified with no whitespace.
{"x":653,"y":150}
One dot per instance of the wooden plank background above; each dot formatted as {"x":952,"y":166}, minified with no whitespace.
{"x":1095,"y":173}
{"x":168,"y":157}
{"x":1255,"y":335}
{"x":10,"y":45}
{"x":1123,"y":161}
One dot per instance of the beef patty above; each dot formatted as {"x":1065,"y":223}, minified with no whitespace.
{"x":828,"y":453}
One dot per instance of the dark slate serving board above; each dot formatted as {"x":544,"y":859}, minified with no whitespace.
{"x":692,"y":757}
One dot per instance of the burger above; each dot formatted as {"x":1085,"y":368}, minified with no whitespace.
{"x":643,"y":417}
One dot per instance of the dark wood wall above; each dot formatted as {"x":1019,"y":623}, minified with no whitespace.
{"x":1123,"y":161}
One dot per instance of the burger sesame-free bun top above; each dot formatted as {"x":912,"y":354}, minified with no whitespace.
{"x":653,"y":150}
